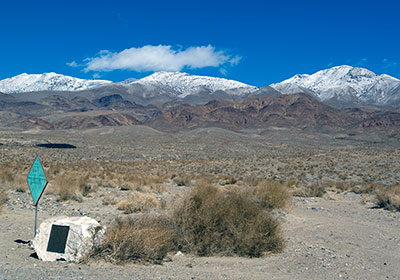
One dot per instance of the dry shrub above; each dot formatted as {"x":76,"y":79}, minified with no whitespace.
{"x":110,"y":199}
{"x":366,"y":188}
{"x":12,"y":179}
{"x":135,"y":181}
{"x":272,"y":194}
{"x":3,"y":198}
{"x":227,"y":180}
{"x":19,"y":184}
{"x":66,"y":188}
{"x":312,"y":190}
{"x":182,"y":180}
{"x":7,"y":175}
{"x":210,"y":221}
{"x":330,"y":185}
{"x":159,"y":188}
{"x":138,"y":202}
{"x":253,"y":181}
{"x":71,"y":186}
{"x":367,"y":198}
{"x":389,"y":197}
{"x":85,"y":188}
{"x":292,"y":182}
{"x":127,"y":186}
{"x":147,"y":238}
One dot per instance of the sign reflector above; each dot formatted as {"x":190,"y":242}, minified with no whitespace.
{"x":37,"y":180}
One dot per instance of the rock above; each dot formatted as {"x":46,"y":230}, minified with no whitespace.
{"x":179,"y":254}
{"x":67,"y":238}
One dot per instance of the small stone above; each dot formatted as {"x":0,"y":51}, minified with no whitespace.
{"x":179,"y":254}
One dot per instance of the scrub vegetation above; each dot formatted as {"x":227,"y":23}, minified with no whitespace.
{"x":3,"y":198}
{"x":208,"y":220}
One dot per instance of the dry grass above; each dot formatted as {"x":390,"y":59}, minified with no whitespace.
{"x":311,"y":190}
{"x":147,"y":238}
{"x":182,"y":179}
{"x":272,"y":194}
{"x":12,"y":179}
{"x":366,"y":188}
{"x":7,"y":175}
{"x":138,"y":202}
{"x":111,"y":199}
{"x":210,"y":221}
{"x":66,"y":187}
{"x":389,"y":198}
{"x":3,"y":198}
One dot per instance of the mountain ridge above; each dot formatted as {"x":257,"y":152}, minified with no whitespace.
{"x":339,"y":86}
{"x":347,"y":84}
{"x":46,"y":82}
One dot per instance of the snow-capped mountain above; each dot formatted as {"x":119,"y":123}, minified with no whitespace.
{"x":183,"y":84}
{"x":46,"y":82}
{"x":345,"y":84}
{"x":341,"y":85}
{"x":175,"y":83}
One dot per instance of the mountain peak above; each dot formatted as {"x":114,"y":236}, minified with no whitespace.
{"x":343,"y":83}
{"x":46,"y":81}
{"x":185,"y":84}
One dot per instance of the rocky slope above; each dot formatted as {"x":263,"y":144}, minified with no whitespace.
{"x":290,"y":111}
{"x":294,"y":111}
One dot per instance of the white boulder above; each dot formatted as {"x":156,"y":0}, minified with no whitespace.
{"x":67,"y":238}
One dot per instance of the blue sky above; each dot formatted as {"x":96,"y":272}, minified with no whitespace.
{"x":256,"y":42}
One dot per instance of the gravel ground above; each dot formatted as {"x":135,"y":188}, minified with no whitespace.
{"x":336,"y":237}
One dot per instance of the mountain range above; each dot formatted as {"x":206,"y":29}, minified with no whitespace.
{"x":341,"y":98}
{"x":340,"y":86}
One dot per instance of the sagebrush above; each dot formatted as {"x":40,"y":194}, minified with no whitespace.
{"x":210,"y":221}
{"x":147,"y":238}
{"x":389,"y":197}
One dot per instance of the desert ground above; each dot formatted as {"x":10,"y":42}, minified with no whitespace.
{"x":333,"y":228}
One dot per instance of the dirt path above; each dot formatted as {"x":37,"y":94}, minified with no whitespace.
{"x":326,"y":239}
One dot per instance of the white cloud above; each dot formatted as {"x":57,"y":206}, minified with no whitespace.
{"x":223,"y":71}
{"x":72,"y":64}
{"x":158,"y":58}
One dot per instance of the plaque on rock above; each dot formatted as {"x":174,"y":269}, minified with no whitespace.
{"x":67,"y":238}
{"x":58,"y":239}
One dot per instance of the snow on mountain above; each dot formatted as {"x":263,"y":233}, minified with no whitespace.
{"x":183,"y":84}
{"x":46,"y":82}
{"x":344,"y":83}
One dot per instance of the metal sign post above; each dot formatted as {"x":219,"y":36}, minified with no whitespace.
{"x":34,"y":234}
{"x":37,"y":182}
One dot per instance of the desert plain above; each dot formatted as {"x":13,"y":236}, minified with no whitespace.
{"x":334,"y":226}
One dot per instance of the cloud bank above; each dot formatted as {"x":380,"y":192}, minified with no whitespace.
{"x":158,"y":58}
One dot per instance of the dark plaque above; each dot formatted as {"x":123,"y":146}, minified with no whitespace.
{"x":58,"y":239}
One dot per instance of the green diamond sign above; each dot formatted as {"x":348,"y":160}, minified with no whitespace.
{"x":37,"y":180}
